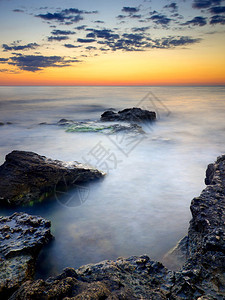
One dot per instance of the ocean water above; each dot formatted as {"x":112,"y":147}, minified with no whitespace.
{"x":142,"y":205}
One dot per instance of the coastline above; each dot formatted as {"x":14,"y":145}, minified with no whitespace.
{"x":201,"y":276}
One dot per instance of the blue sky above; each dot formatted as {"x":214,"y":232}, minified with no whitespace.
{"x":37,"y":35}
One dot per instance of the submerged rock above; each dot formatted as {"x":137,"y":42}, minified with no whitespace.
{"x":134,"y":114}
{"x":27,"y":176}
{"x":21,"y":238}
{"x":95,"y":126}
{"x":201,"y":277}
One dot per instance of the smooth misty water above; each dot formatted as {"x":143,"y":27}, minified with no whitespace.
{"x":142,"y":205}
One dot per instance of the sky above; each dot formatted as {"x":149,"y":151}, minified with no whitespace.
{"x":119,"y":42}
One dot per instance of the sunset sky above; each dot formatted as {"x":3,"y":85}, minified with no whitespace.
{"x":120,"y":42}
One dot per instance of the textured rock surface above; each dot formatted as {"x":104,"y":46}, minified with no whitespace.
{"x":27,"y":176}
{"x":201,"y":277}
{"x":95,"y":126}
{"x":21,"y":238}
{"x":129,"y":114}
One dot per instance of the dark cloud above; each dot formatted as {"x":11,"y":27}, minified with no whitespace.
{"x":3,"y":59}
{"x":135,"y":16}
{"x":35,"y":63}
{"x":82,"y":27}
{"x":102,"y":33}
{"x":120,"y":17}
{"x":217,"y":20}
{"x":99,"y":22}
{"x":71,"y":46}
{"x":160,"y":19}
{"x":66,"y":16}
{"x":86,"y":40}
{"x":130,"y":10}
{"x":91,"y":48}
{"x":172,"y":6}
{"x":57,"y":38}
{"x":205,"y":3}
{"x":62,"y":32}
{"x":172,"y":42}
{"x":18,"y":10}
{"x":197,"y":21}
{"x":140,"y":29}
{"x":217,"y":10}
{"x":16,"y":47}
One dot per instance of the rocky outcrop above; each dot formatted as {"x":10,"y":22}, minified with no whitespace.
{"x":134,"y":114}
{"x":201,"y":277}
{"x":96,"y":126}
{"x":27,"y":176}
{"x":21,"y":238}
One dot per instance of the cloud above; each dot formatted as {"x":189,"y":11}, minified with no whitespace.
{"x":35,"y":63}
{"x":86,"y":40}
{"x":101,"y":33}
{"x":140,"y":29}
{"x":160,"y":19}
{"x":3,"y":59}
{"x":217,"y":10}
{"x":197,"y":21}
{"x":172,"y":6}
{"x":62,"y":32}
{"x":91,"y":48}
{"x":82,"y":27}
{"x":172,"y":42}
{"x":18,"y":10}
{"x":15,"y":47}
{"x":66,"y":16}
{"x":71,"y":46}
{"x":217,"y":20}
{"x":99,"y":22}
{"x":130,"y":10}
{"x":205,"y":3}
{"x":57,"y":38}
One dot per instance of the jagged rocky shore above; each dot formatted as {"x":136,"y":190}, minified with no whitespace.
{"x":202,"y":275}
{"x":197,"y":262}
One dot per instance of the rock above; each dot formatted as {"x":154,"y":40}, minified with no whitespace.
{"x":27,"y":176}
{"x":202,"y":276}
{"x":133,"y":278}
{"x":95,"y":126}
{"x":21,"y":238}
{"x":2,"y":124}
{"x":134,"y":114}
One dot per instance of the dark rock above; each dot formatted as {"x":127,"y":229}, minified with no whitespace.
{"x":134,"y":114}
{"x":1,"y":123}
{"x":27,"y":176}
{"x":21,"y":238}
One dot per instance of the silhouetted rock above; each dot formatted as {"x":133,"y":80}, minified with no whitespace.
{"x":27,"y":176}
{"x":134,"y":114}
{"x":21,"y":238}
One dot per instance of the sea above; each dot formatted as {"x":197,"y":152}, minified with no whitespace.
{"x":142,"y":206}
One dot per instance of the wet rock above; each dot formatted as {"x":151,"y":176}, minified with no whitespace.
{"x":134,"y":114}
{"x":27,"y":176}
{"x":21,"y":238}
{"x":133,"y":278}
{"x":95,"y":126}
